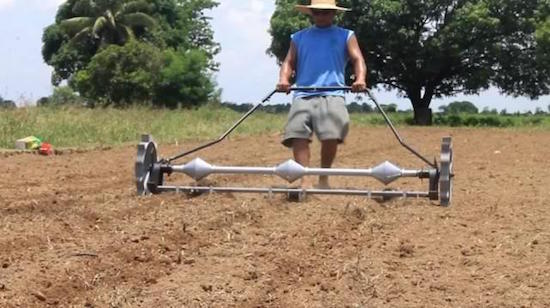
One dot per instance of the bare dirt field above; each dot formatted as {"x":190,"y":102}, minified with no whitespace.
{"x":74,"y":233}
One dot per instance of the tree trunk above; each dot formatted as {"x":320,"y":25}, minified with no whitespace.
{"x":421,"y":106}
{"x":423,"y":116}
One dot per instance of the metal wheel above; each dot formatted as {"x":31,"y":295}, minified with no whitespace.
{"x":146,"y":157}
{"x":446,"y":172}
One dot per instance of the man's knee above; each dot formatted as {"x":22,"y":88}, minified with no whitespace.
{"x":300,"y":143}
{"x":330,"y":143}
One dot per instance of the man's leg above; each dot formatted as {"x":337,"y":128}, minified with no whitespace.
{"x":328,"y":153}
{"x":300,"y":148}
{"x":333,"y":123}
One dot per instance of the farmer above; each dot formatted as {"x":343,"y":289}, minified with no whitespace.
{"x":318,"y":56}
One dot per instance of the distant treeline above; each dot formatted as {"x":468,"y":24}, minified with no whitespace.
{"x":454,"y":108}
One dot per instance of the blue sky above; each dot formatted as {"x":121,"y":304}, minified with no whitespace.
{"x":246,"y":73}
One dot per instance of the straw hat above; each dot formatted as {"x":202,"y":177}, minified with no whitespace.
{"x":320,"y":5}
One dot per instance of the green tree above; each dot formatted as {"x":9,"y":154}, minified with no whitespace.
{"x":63,"y":95}
{"x":121,"y":75}
{"x":354,"y":107}
{"x":7,"y":104}
{"x":433,"y":48}
{"x":542,"y":35}
{"x":65,"y":57}
{"x":183,"y":25}
{"x":108,"y":21}
{"x":184,"y":79}
{"x":389,"y":107}
{"x":82,"y":27}
{"x":141,"y":73}
{"x":486,"y":110}
{"x":284,"y":22}
{"x":43,"y":101}
{"x":86,"y":28}
{"x":459,"y":107}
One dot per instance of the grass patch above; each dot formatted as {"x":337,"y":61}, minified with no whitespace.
{"x":77,"y":127}
{"x":82,"y":127}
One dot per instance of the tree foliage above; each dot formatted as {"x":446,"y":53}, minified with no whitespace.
{"x":88,"y":34}
{"x":284,"y":22}
{"x":7,"y":104}
{"x":142,"y":73}
{"x":64,"y":95}
{"x":83,"y":27}
{"x":121,"y":74}
{"x":182,"y":24}
{"x":108,"y":23}
{"x":184,"y":79}
{"x":459,"y":107}
{"x":435,"y":48}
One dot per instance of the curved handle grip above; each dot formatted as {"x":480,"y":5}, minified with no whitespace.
{"x":315,"y":89}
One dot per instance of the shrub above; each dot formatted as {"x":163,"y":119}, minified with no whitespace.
{"x":184,"y":80}
{"x":63,"y":95}
{"x":7,"y":104}
{"x":121,"y":75}
{"x":459,"y":107}
{"x":142,"y":73}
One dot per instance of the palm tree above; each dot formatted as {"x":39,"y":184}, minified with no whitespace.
{"x":107,"y":21}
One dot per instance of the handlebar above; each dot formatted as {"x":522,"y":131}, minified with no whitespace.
{"x":321,"y":89}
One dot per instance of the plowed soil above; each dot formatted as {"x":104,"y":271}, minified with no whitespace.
{"x":74,"y":233}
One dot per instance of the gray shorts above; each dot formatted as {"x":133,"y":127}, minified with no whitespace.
{"x":327,"y":116}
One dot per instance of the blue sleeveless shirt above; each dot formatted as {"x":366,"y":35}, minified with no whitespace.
{"x":322,"y":56}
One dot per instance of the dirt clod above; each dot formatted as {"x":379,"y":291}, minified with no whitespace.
{"x":41,"y":297}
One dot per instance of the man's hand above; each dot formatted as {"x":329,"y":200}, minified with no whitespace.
{"x":359,"y":65}
{"x":359,"y":86}
{"x":287,"y":68}
{"x":283,"y":86}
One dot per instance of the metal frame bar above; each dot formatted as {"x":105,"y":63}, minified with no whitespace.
{"x":401,"y":141}
{"x":222,"y":137}
{"x":349,"y":192}
{"x":306,"y":172}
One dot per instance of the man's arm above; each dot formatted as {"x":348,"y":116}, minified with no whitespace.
{"x":359,"y":65}
{"x":287,"y":68}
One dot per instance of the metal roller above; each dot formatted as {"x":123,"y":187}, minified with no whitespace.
{"x":291,"y":171}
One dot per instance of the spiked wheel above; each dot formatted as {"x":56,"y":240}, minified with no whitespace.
{"x":446,"y":172}
{"x":146,"y":157}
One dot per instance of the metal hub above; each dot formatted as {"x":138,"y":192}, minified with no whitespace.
{"x":446,"y":172}
{"x":146,"y":158}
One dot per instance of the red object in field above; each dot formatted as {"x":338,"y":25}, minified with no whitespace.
{"x":45,"y":149}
